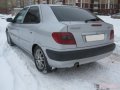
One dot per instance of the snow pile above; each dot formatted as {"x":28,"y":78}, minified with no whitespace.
{"x":3,"y":16}
{"x":18,"y":72}
{"x":116,"y":24}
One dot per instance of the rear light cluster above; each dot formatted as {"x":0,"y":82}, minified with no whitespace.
{"x":112,"y":34}
{"x":65,"y":38}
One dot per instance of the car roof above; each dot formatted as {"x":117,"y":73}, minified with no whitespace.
{"x":47,"y":12}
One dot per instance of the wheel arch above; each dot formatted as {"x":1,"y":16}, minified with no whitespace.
{"x":33,"y":46}
{"x":48,"y":68}
{"x":6,"y":29}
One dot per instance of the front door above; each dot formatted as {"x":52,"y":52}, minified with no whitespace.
{"x":16,"y":26}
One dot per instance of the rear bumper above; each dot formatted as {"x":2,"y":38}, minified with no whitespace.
{"x":79,"y":54}
{"x":68,"y":64}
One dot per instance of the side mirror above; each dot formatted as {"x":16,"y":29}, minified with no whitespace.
{"x":9,"y":20}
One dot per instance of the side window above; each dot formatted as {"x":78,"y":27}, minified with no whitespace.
{"x":32,"y":16}
{"x":20,"y":16}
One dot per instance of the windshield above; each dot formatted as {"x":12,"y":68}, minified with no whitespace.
{"x":69,"y":13}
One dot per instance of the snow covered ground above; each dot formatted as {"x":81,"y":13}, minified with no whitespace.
{"x":18,"y":72}
{"x":116,"y":24}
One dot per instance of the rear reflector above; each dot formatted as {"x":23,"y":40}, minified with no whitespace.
{"x":96,"y":25}
{"x":112,"y":34}
{"x":63,"y":38}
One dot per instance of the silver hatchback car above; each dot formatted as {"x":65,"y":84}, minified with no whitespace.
{"x":60,"y":36}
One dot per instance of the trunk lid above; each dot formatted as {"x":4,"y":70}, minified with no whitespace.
{"x":88,"y":34}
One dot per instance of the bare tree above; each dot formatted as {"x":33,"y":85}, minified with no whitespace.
{"x":6,"y":5}
{"x":12,"y":3}
{"x":63,"y":2}
{"x":38,"y":1}
{"x":48,"y":2}
{"x":34,"y":1}
{"x":21,"y":3}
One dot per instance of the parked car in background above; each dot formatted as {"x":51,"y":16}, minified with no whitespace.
{"x":116,"y":16}
{"x":3,"y":16}
{"x":59,"y":36}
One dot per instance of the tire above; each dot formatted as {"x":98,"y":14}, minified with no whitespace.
{"x":9,"y":41}
{"x":41,"y":60}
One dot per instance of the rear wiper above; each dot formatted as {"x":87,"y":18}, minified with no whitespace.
{"x":94,"y":19}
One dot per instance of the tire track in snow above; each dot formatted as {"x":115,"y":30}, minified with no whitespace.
{"x":13,"y":74}
{"x":2,"y":41}
{"x":20,"y":77}
{"x":5,"y":48}
{"x":6,"y":76}
{"x":23,"y":76}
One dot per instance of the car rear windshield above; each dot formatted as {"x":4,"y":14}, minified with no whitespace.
{"x":69,"y":13}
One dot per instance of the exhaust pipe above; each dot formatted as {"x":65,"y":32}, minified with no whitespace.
{"x":76,"y":64}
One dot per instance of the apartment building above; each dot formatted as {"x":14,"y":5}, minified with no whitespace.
{"x":100,"y":6}
{"x":3,"y":6}
{"x":6,"y":5}
{"x":96,"y":6}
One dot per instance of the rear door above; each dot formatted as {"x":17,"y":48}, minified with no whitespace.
{"x":91,"y":33}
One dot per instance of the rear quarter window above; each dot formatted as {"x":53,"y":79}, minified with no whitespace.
{"x":69,"y":13}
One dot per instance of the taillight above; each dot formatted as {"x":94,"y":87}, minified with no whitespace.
{"x":112,"y":34}
{"x":63,"y":37}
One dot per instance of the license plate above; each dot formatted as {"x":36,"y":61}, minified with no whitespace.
{"x":98,"y":37}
